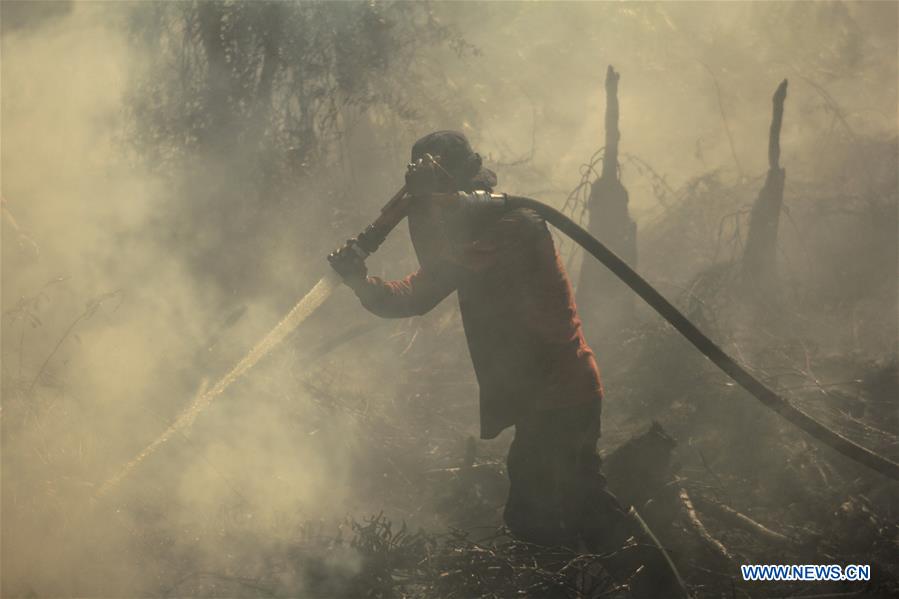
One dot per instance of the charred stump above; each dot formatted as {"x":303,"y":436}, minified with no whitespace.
{"x":604,"y":300}
{"x":640,"y":470}
{"x":760,"y":255}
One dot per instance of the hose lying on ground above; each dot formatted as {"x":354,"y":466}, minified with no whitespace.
{"x":759,"y":390}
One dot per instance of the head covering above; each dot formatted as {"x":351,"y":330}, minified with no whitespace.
{"x":458,"y":158}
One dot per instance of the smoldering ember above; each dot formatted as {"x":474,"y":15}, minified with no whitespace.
{"x":449,"y":299}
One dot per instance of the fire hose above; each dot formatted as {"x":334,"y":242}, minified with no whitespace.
{"x":480,"y":201}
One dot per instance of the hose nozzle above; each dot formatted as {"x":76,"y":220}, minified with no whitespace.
{"x":481,"y":201}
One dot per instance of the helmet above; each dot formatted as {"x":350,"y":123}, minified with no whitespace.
{"x":454,"y":154}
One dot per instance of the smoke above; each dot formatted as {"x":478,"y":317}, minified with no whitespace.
{"x":107,"y":336}
{"x":542,"y":68}
{"x":121,"y":293}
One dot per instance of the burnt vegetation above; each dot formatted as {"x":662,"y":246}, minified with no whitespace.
{"x":259,"y":113}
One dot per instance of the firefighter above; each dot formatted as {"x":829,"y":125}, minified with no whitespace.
{"x":534,"y":368}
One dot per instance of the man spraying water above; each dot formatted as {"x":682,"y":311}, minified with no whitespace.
{"x":524,"y":335}
{"x":534,"y":368}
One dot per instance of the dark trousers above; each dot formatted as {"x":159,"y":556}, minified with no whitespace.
{"x":557,"y":493}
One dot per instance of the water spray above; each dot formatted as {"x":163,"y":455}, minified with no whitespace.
{"x":366,"y":243}
{"x":300,"y":312}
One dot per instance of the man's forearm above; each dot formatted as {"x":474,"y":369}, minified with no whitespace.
{"x":415,"y":295}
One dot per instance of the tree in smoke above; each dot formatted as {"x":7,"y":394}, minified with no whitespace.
{"x":760,"y":255}
{"x":281,"y":73}
{"x":605,"y":300}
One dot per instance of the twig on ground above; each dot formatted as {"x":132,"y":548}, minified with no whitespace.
{"x":700,"y":529}
{"x":732,"y":516}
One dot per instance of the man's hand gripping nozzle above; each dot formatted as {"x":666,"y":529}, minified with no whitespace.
{"x":349,"y":259}
{"x":349,"y":262}
{"x":424,"y":177}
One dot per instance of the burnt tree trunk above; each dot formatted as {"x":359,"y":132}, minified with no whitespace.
{"x":604,"y":301}
{"x":760,"y":255}
{"x":640,"y":469}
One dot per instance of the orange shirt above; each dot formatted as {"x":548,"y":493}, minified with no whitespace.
{"x":517,"y":305}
